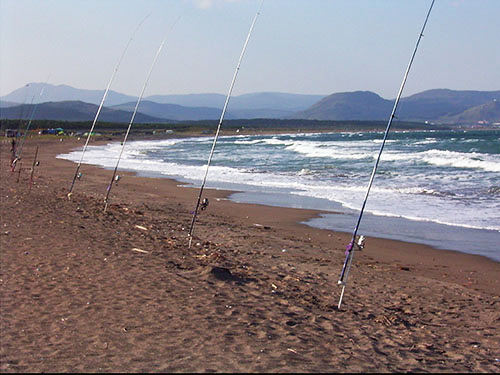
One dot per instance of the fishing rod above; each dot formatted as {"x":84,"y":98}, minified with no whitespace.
{"x":360,"y":242}
{"x":191,"y":229}
{"x":106,"y":200}
{"x":102,"y":103}
{"x":35,"y":163}
{"x":20,"y":149}
{"x":22,"y":108}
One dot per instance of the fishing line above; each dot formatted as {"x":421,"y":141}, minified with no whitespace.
{"x":352,"y":245}
{"x":22,"y":109}
{"x":191,"y":229}
{"x":106,"y":200}
{"x":102,"y":103}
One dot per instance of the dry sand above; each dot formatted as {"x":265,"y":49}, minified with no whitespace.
{"x":84,"y":290}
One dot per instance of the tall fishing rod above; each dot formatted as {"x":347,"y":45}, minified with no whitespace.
{"x":102,"y":103}
{"x":352,"y":245}
{"x":191,"y":229}
{"x":106,"y":200}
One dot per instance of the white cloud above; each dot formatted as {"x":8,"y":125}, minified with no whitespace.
{"x":205,"y":4}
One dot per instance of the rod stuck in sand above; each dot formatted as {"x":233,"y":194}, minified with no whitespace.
{"x":102,"y":103}
{"x":113,"y":177}
{"x":35,"y":163}
{"x":228,"y":96}
{"x":359,"y":243}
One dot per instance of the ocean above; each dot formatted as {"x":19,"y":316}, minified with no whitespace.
{"x":440,"y":188}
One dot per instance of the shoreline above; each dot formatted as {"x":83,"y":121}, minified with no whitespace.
{"x":295,"y":217}
{"x":442,"y":236}
{"x":88,"y":291}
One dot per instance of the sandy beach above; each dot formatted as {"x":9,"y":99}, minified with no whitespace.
{"x":84,"y":290}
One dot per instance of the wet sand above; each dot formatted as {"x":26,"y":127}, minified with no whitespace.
{"x":84,"y":290}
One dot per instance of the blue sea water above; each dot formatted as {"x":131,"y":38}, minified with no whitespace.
{"x":441,"y":188}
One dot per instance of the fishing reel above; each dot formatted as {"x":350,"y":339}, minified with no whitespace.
{"x":204,"y":204}
{"x":117,"y":178}
{"x":358,"y":245}
{"x":361,"y":242}
{"x":14,"y":163}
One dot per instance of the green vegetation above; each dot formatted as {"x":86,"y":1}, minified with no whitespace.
{"x":209,"y":126}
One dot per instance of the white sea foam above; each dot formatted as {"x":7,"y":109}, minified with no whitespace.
{"x":277,"y":141}
{"x":248,"y":142}
{"x":426,"y":141}
{"x":333,"y":150}
{"x":410,"y":190}
{"x":490,"y":163}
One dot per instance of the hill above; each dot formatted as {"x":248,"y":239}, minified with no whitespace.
{"x":484,"y":113}
{"x":172,"y":111}
{"x":357,"y":105}
{"x":440,"y":105}
{"x":443,"y":103}
{"x":6,"y":104}
{"x":436,"y":106}
{"x":73,"y":111}
{"x":246,"y":106}
{"x":254,"y":101}
{"x":59,"y":93}
{"x":254,"y":105}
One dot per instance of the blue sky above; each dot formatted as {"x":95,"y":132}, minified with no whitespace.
{"x":298,"y":46}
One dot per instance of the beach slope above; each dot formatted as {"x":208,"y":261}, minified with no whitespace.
{"x":84,"y":290}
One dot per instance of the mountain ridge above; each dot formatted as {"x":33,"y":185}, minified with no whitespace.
{"x":73,"y":110}
{"x":434,"y":106}
{"x":251,"y":105}
{"x":428,"y":106}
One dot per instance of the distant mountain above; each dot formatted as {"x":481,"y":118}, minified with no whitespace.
{"x":357,"y":105}
{"x":246,"y":106}
{"x":183,"y":113}
{"x":438,"y":103}
{"x":5,"y":104}
{"x":255,"y":105}
{"x":260,"y":113}
{"x":484,"y":113}
{"x":73,"y":111}
{"x":260,"y":101}
{"x":274,"y":100}
{"x":52,"y":93}
{"x":432,"y":105}
{"x":270,"y":104}
{"x":191,"y":100}
{"x":172,"y":111}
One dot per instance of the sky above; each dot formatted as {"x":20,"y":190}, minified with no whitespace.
{"x":297,"y":46}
